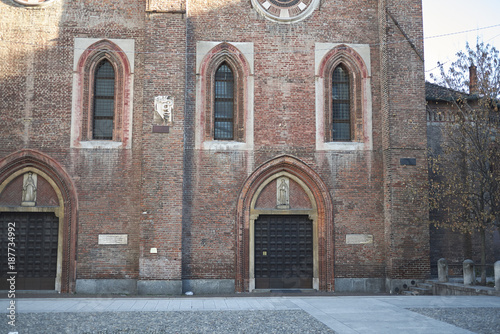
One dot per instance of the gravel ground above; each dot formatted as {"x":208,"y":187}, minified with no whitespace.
{"x":217,"y":322}
{"x":485,"y":320}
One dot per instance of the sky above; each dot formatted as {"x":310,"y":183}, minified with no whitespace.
{"x":452,"y":18}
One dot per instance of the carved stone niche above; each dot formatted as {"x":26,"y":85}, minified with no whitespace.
{"x":292,"y":196}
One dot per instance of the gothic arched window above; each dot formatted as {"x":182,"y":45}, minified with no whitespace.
{"x":224,"y":103}
{"x":341,"y":105}
{"x":102,"y":111}
{"x":343,"y":97}
{"x":104,"y":101}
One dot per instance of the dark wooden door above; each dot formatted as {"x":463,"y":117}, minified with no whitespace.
{"x":36,"y":237}
{"x":283,"y":252}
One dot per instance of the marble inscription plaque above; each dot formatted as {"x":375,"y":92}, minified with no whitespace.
{"x":113,"y":239}
{"x":358,"y":239}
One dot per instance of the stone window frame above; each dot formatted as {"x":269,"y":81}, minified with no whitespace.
{"x":239,"y":57}
{"x":355,"y":58}
{"x":88,"y":54}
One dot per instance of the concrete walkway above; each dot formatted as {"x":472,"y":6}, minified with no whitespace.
{"x":343,"y":314}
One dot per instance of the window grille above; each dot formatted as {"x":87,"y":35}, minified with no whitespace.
{"x":341,"y":109}
{"x":104,"y":101}
{"x":224,"y":103}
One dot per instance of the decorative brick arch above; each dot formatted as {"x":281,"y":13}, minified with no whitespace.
{"x":346,"y":55}
{"x":323,"y":212}
{"x":30,"y":160}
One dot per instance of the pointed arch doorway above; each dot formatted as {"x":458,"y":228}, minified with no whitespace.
{"x":285,"y":228}
{"x":37,"y":205}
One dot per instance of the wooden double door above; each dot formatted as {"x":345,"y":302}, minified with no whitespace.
{"x":283,"y":257}
{"x":35,"y":238}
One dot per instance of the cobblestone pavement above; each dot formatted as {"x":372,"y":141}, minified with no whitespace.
{"x":217,"y":322}
{"x":481,"y":320}
{"x":262,"y":314}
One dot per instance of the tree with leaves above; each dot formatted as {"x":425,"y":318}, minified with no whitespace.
{"x":464,"y":170}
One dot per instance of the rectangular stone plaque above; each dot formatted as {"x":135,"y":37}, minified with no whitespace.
{"x":408,"y":161}
{"x":358,"y":239}
{"x":160,"y":129}
{"x":113,"y":239}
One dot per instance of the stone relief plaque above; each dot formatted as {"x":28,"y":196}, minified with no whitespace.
{"x":113,"y":239}
{"x":162,"y":6}
{"x":164,"y":106}
{"x":358,"y":239}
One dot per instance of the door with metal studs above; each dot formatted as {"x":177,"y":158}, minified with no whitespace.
{"x":283,"y":257}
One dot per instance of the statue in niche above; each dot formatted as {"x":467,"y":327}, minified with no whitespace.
{"x":283,"y":193}
{"x":29,"y":189}
{"x":164,"y":106}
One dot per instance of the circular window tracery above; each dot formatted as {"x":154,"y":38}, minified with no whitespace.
{"x":285,"y":11}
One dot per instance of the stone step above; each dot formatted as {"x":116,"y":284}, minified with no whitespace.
{"x":420,"y":291}
{"x":425,"y":285}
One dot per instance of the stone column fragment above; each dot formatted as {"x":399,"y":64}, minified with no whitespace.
{"x":442,"y":270}
{"x":469,"y":274}
{"x":497,"y":275}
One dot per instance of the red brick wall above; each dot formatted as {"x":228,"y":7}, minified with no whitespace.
{"x":163,"y":73}
{"x":165,"y":194}
{"x":284,"y":124}
{"x":403,"y":136}
{"x":36,"y":88}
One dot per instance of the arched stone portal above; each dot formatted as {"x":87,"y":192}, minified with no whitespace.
{"x":38,"y":196}
{"x":286,"y":196}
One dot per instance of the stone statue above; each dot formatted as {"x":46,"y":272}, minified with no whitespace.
{"x":283,"y":195}
{"x":469,"y":272}
{"x":29,"y":190}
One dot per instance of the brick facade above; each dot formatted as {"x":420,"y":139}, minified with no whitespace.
{"x":185,"y":201}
